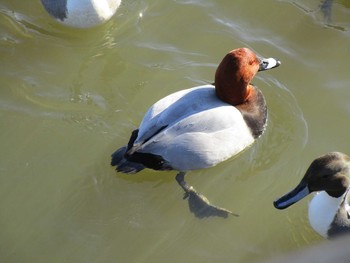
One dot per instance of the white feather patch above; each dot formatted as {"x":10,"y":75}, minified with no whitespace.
{"x":322,"y":210}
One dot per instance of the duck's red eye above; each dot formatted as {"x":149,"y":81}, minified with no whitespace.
{"x":251,"y":62}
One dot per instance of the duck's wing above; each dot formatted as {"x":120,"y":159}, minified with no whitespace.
{"x":171,"y":109}
{"x":202,"y":139}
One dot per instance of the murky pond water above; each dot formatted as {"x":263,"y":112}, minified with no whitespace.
{"x":69,"y":98}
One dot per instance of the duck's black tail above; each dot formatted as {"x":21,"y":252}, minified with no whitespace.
{"x":118,"y":156}
{"x":122,"y":164}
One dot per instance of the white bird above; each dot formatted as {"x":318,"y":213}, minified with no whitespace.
{"x":81,"y":13}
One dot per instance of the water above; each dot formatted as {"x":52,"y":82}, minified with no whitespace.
{"x":69,"y":98}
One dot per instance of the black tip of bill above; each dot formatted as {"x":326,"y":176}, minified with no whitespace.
{"x":292,"y":197}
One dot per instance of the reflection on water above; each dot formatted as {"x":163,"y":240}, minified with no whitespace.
{"x":69,"y":97}
{"x":333,"y":14}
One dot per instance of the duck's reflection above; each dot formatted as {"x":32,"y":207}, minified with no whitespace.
{"x":326,"y":8}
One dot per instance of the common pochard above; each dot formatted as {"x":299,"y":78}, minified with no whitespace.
{"x":202,"y":126}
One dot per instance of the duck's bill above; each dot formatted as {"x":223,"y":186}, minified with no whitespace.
{"x":292,"y":197}
{"x":268,"y":63}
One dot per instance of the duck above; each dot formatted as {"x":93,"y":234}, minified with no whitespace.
{"x":81,"y":13}
{"x":202,"y":126}
{"x":329,"y":211}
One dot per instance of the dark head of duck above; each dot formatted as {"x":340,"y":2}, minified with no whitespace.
{"x":235,"y":72}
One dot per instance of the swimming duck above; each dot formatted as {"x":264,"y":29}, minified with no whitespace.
{"x":329,"y":211}
{"x":202,"y":126}
{"x":81,"y":13}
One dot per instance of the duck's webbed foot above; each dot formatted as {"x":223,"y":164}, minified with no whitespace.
{"x":198,"y":203}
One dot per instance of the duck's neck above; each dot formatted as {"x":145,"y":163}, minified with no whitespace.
{"x":234,"y":94}
{"x":322,"y":210}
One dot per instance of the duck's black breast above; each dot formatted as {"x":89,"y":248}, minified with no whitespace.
{"x":254,"y":112}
